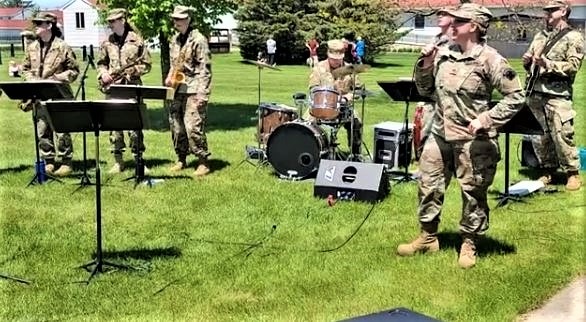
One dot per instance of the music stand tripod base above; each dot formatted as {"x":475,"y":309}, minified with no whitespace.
{"x":14,"y":279}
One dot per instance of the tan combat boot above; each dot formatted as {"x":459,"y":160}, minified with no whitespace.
{"x":65,"y":169}
{"x":467,"y":257}
{"x":118,"y":164}
{"x":179,"y":165}
{"x":49,"y":166}
{"x":426,"y":242}
{"x":574,"y":181}
{"x":202,"y":169}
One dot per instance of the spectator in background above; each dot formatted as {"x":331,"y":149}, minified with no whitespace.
{"x":313,"y":45}
{"x":271,"y":50}
{"x":13,"y":69}
{"x":360,"y":49}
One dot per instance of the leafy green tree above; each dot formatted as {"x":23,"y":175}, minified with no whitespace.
{"x":293,"y":22}
{"x":151,"y":18}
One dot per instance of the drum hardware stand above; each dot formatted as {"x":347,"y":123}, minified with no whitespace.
{"x":253,"y":153}
{"x":299,"y":99}
{"x":85,"y":179}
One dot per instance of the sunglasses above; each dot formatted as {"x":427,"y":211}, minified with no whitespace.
{"x":112,"y":20}
{"x":38,"y":23}
{"x":461,"y":20}
{"x":179,"y":19}
{"x":551,"y":10}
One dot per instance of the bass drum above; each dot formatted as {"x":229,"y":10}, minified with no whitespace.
{"x":295,"y":148}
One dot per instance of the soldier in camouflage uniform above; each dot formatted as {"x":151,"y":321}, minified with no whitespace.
{"x":123,"y":59}
{"x":550,"y":99}
{"x":191,"y":56}
{"x":49,"y":57}
{"x":321,"y":75}
{"x":444,"y":20}
{"x":464,"y":137}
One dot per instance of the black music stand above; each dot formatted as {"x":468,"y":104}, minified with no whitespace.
{"x":524,"y":122}
{"x":85,"y":179}
{"x":139,"y":93}
{"x":96,"y":116}
{"x":404,"y":91}
{"x":37,"y":90}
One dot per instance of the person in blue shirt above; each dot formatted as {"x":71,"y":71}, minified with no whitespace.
{"x":360,"y":48}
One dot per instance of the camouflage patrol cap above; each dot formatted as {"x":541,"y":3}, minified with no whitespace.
{"x":472,"y":12}
{"x":556,"y":4}
{"x":181,"y":12}
{"x":45,"y":17}
{"x":116,"y":13}
{"x":336,"y":49}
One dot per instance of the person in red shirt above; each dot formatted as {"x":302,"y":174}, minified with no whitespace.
{"x":313,"y":45}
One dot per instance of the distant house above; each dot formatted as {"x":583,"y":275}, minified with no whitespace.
{"x":12,"y":23}
{"x":420,"y":26}
{"x":81,"y":23}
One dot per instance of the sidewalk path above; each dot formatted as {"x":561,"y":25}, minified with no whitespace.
{"x":566,"y":306}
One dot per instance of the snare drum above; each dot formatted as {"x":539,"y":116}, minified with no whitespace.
{"x":324,"y":103}
{"x":272,"y":116}
{"x":295,"y":149}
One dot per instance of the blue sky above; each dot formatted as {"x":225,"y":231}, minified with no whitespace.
{"x":50,"y":4}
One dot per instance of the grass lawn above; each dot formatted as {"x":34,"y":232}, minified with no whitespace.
{"x":242,"y":245}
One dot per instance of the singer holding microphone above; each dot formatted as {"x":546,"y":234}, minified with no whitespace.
{"x":441,"y":41}
{"x":464,"y":137}
{"x":123,"y":58}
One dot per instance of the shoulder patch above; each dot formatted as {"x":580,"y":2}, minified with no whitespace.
{"x":509,"y":73}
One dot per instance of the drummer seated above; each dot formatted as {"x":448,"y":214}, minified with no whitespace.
{"x":335,"y":89}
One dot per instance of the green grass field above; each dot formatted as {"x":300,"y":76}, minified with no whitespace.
{"x":242,"y":245}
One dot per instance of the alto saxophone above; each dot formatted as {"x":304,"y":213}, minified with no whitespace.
{"x":177,"y":76}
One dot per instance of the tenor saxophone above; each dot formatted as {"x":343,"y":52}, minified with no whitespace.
{"x":177,"y":76}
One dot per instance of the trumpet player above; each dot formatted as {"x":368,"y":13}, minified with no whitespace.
{"x":49,"y":57}
{"x":190,"y":68}
{"x":123,"y":59}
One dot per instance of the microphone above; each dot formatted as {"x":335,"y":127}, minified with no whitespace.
{"x":441,"y":41}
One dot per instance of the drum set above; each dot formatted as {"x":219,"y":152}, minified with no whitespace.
{"x":293,"y":145}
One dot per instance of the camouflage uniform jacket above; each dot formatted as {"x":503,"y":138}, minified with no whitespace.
{"x":565,"y":59}
{"x":132,"y":54}
{"x":463,"y":86}
{"x":194,"y":60}
{"x":321,"y":75}
{"x":57,"y":62}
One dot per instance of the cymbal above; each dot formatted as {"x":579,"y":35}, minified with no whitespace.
{"x":350,"y":69}
{"x":262,"y":64}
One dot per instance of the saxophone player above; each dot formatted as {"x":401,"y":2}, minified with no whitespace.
{"x":123,"y":58}
{"x":190,"y":63}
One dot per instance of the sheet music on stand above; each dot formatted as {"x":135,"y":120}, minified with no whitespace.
{"x":403,"y":90}
{"x":41,"y":89}
{"x":139,"y":91}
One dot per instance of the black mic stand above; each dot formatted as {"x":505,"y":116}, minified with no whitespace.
{"x":85,"y":179}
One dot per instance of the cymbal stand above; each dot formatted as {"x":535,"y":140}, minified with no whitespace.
{"x":251,"y":152}
{"x":363,"y":97}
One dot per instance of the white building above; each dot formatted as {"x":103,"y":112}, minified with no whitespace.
{"x":81,"y":24}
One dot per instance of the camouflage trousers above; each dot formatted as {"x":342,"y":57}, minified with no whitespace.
{"x":557,"y":146}
{"x":46,"y":138}
{"x":474,"y":165}
{"x":187,"y":118}
{"x":136,"y":142}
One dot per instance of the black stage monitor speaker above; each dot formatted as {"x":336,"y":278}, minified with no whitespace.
{"x":393,"y":315}
{"x":391,"y":144}
{"x":345,"y":180}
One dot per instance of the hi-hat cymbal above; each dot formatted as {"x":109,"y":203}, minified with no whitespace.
{"x":350,"y":69}
{"x":262,"y":64}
